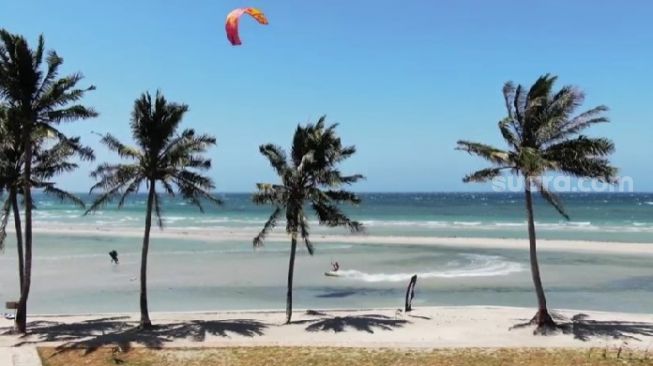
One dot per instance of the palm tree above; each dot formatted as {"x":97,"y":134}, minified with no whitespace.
{"x":8,"y":177}
{"x":310,"y":178}
{"x":40,"y":100}
{"x":10,"y":182}
{"x":49,"y":160}
{"x":163,"y":157}
{"x":543,"y":135}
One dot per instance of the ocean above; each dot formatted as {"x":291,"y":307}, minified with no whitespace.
{"x":622,"y":217}
{"x":73,"y":273}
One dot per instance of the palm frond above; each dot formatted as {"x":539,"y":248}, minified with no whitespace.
{"x":581,"y":122}
{"x":132,"y":188}
{"x":54,"y":62}
{"x":583,"y":157}
{"x":304,"y":232}
{"x":332,"y":216}
{"x":72,"y":113}
{"x":65,"y":147}
{"x":167,"y":186}
{"x":486,"y":152}
{"x":581,"y":147}
{"x":519,"y":104}
{"x":185,"y":150}
{"x":269,"y":194}
{"x":267,"y":227}
{"x":509,"y":97}
{"x":550,"y":197}
{"x":334,"y":178}
{"x":276,"y":156}
{"x":52,"y":190}
{"x":195,"y":187}
{"x":104,"y":199}
{"x":507,"y":128}
{"x":55,"y":160}
{"x":110,"y":176}
{"x":113,"y":144}
{"x":484,"y":175}
{"x":114,"y":179}
{"x":341,"y":196}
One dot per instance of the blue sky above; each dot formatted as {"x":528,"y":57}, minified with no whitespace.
{"x":405,"y":79}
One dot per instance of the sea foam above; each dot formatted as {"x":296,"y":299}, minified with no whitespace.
{"x":479,"y":266}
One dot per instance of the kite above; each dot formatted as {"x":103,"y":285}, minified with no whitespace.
{"x":232,"y":22}
{"x":410,"y":294}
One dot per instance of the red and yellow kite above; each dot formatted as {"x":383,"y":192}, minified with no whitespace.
{"x":232,"y":22}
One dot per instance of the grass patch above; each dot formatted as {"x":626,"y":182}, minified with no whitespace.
{"x":329,"y":356}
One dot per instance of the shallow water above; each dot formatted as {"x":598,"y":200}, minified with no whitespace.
{"x":74,"y":274}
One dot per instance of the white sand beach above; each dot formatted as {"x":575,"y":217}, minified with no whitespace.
{"x":429,"y":327}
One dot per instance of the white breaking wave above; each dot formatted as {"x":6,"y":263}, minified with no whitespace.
{"x":404,"y":223}
{"x":481,"y":266}
{"x":467,"y":223}
{"x":510,"y":224}
{"x":579,"y":223}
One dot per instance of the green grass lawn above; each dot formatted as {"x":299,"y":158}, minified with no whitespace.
{"x":328,"y":356}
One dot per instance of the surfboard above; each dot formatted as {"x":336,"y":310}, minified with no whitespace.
{"x":332,"y":274}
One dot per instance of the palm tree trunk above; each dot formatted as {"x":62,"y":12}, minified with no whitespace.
{"x":19,"y":237}
{"x":542,"y":317}
{"x":291,"y":270}
{"x":21,"y":313}
{"x":145,"y":316}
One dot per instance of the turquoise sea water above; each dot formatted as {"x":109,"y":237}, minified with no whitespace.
{"x":73,"y":273}
{"x":623,"y":217}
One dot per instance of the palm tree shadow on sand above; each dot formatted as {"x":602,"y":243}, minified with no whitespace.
{"x":361,"y":323}
{"x":584,"y":329}
{"x":93,"y":334}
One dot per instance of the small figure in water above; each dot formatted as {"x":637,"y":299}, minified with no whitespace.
{"x":335,"y":266}
{"x":114,"y":256}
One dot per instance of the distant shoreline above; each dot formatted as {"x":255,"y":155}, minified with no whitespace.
{"x":223,"y":235}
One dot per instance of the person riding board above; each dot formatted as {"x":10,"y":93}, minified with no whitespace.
{"x":335,"y":266}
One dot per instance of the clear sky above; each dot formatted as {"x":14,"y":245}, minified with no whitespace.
{"x":405,"y":79}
